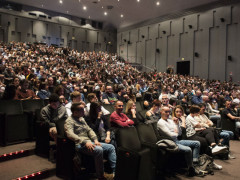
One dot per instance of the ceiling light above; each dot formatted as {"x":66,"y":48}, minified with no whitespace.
{"x":138,"y":0}
{"x":67,"y":12}
{"x":157,"y":3}
{"x":42,"y":5}
{"x":60,"y":1}
{"x":102,"y":7}
{"x":84,"y":8}
{"x":89,"y":17}
{"x":105,"y":13}
{"x":121,"y":15}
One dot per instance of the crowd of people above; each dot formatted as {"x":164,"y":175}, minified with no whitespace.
{"x":79,"y":84}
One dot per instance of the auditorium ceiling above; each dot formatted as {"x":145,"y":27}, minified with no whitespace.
{"x":119,"y":13}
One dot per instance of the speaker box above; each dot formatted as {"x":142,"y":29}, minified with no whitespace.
{"x":157,"y":50}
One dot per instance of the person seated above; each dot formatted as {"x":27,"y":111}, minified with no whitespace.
{"x":119,"y":119}
{"x":9,"y":92}
{"x":86,"y":140}
{"x":122,"y":95}
{"x":229,"y":114}
{"x":99,"y":124}
{"x":207,"y":123}
{"x":193,"y":127}
{"x":53,"y":112}
{"x":59,"y":90}
{"x":109,"y":97}
{"x":43,"y":92}
{"x":75,"y":97}
{"x":153,"y":115}
{"x":51,"y":85}
{"x":92,"y":97}
{"x":213,"y":114}
{"x":172,"y":128}
{"x":132,"y":113}
{"x":197,"y":98}
{"x":24,"y":93}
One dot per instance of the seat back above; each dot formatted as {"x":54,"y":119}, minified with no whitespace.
{"x":11,"y":107}
{"x":128,"y":138}
{"x":138,"y":106}
{"x":60,"y":127}
{"x":109,"y":107}
{"x":146,"y":133}
{"x":32,"y":104}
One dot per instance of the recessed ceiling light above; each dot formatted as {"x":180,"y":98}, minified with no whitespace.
{"x":105,"y":13}
{"x":67,"y":12}
{"x":42,"y":5}
{"x":84,"y":8}
{"x":60,"y":1}
{"x":121,"y":16}
{"x":102,"y":7}
{"x":118,"y":0}
{"x":138,"y":0}
{"x":157,"y":3}
{"x":89,"y":17}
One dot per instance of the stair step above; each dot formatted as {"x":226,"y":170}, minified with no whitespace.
{"x":21,"y":167}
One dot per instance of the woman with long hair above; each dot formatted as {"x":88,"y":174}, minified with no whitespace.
{"x":100,"y":125}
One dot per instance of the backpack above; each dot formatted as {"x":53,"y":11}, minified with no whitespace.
{"x":205,"y":165}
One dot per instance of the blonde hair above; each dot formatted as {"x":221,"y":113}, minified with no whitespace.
{"x":129,"y":106}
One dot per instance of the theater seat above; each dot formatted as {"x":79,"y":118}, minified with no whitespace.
{"x":133,"y":160}
{"x":149,"y":139}
{"x":13,"y":122}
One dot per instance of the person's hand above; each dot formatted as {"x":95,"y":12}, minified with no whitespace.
{"x":107,"y":140}
{"x":175,"y":120}
{"x":97,"y":143}
{"x":53,"y":130}
{"x":90,"y":146}
{"x":99,"y":114}
{"x":133,"y":111}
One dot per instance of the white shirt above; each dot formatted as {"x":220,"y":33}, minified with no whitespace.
{"x":87,"y":109}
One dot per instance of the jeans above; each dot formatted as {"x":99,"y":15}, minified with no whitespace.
{"x":216,"y":119}
{"x":97,"y":153}
{"x":186,"y":147}
{"x":226,"y":135}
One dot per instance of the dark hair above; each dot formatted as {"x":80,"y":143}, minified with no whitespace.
{"x":90,"y":96}
{"x":23,"y":82}
{"x":93,"y":113}
{"x":53,"y":98}
{"x":194,"y":109}
{"x":9,"y":93}
{"x":74,"y":106}
{"x":42,"y":85}
{"x":156,"y":102}
{"x":58,"y":88}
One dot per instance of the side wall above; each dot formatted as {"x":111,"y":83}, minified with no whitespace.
{"x":209,"y":40}
{"x":59,"y":30}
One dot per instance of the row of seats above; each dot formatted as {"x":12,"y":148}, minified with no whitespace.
{"x":138,"y":156}
{"x":17,"y":120}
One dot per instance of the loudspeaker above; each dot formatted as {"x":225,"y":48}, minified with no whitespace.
{"x":196,"y":54}
{"x":222,"y":19}
{"x":190,"y":26}
{"x":9,"y":23}
{"x":230,"y":58}
{"x":83,"y":22}
{"x":164,"y":32}
{"x":157,"y":50}
{"x":124,"y":40}
{"x":143,"y":36}
{"x":129,"y":42}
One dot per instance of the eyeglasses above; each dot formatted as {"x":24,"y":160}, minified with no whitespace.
{"x":120,"y":105}
{"x":167,"y":111}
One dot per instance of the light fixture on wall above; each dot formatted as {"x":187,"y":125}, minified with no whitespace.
{"x":190,"y":26}
{"x":164,"y":32}
{"x":157,"y":50}
{"x":196,"y":54}
{"x":143,"y":36}
{"x":222,"y":19}
{"x":124,"y":40}
{"x":129,"y":42}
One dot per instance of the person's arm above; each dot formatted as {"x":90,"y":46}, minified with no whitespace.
{"x":161,"y":126}
{"x":212,"y":110}
{"x":45,"y":117}
{"x":233,"y":117}
{"x":69,"y":130}
{"x":118,"y":120}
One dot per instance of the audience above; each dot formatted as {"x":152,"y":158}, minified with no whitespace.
{"x":86,"y":140}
